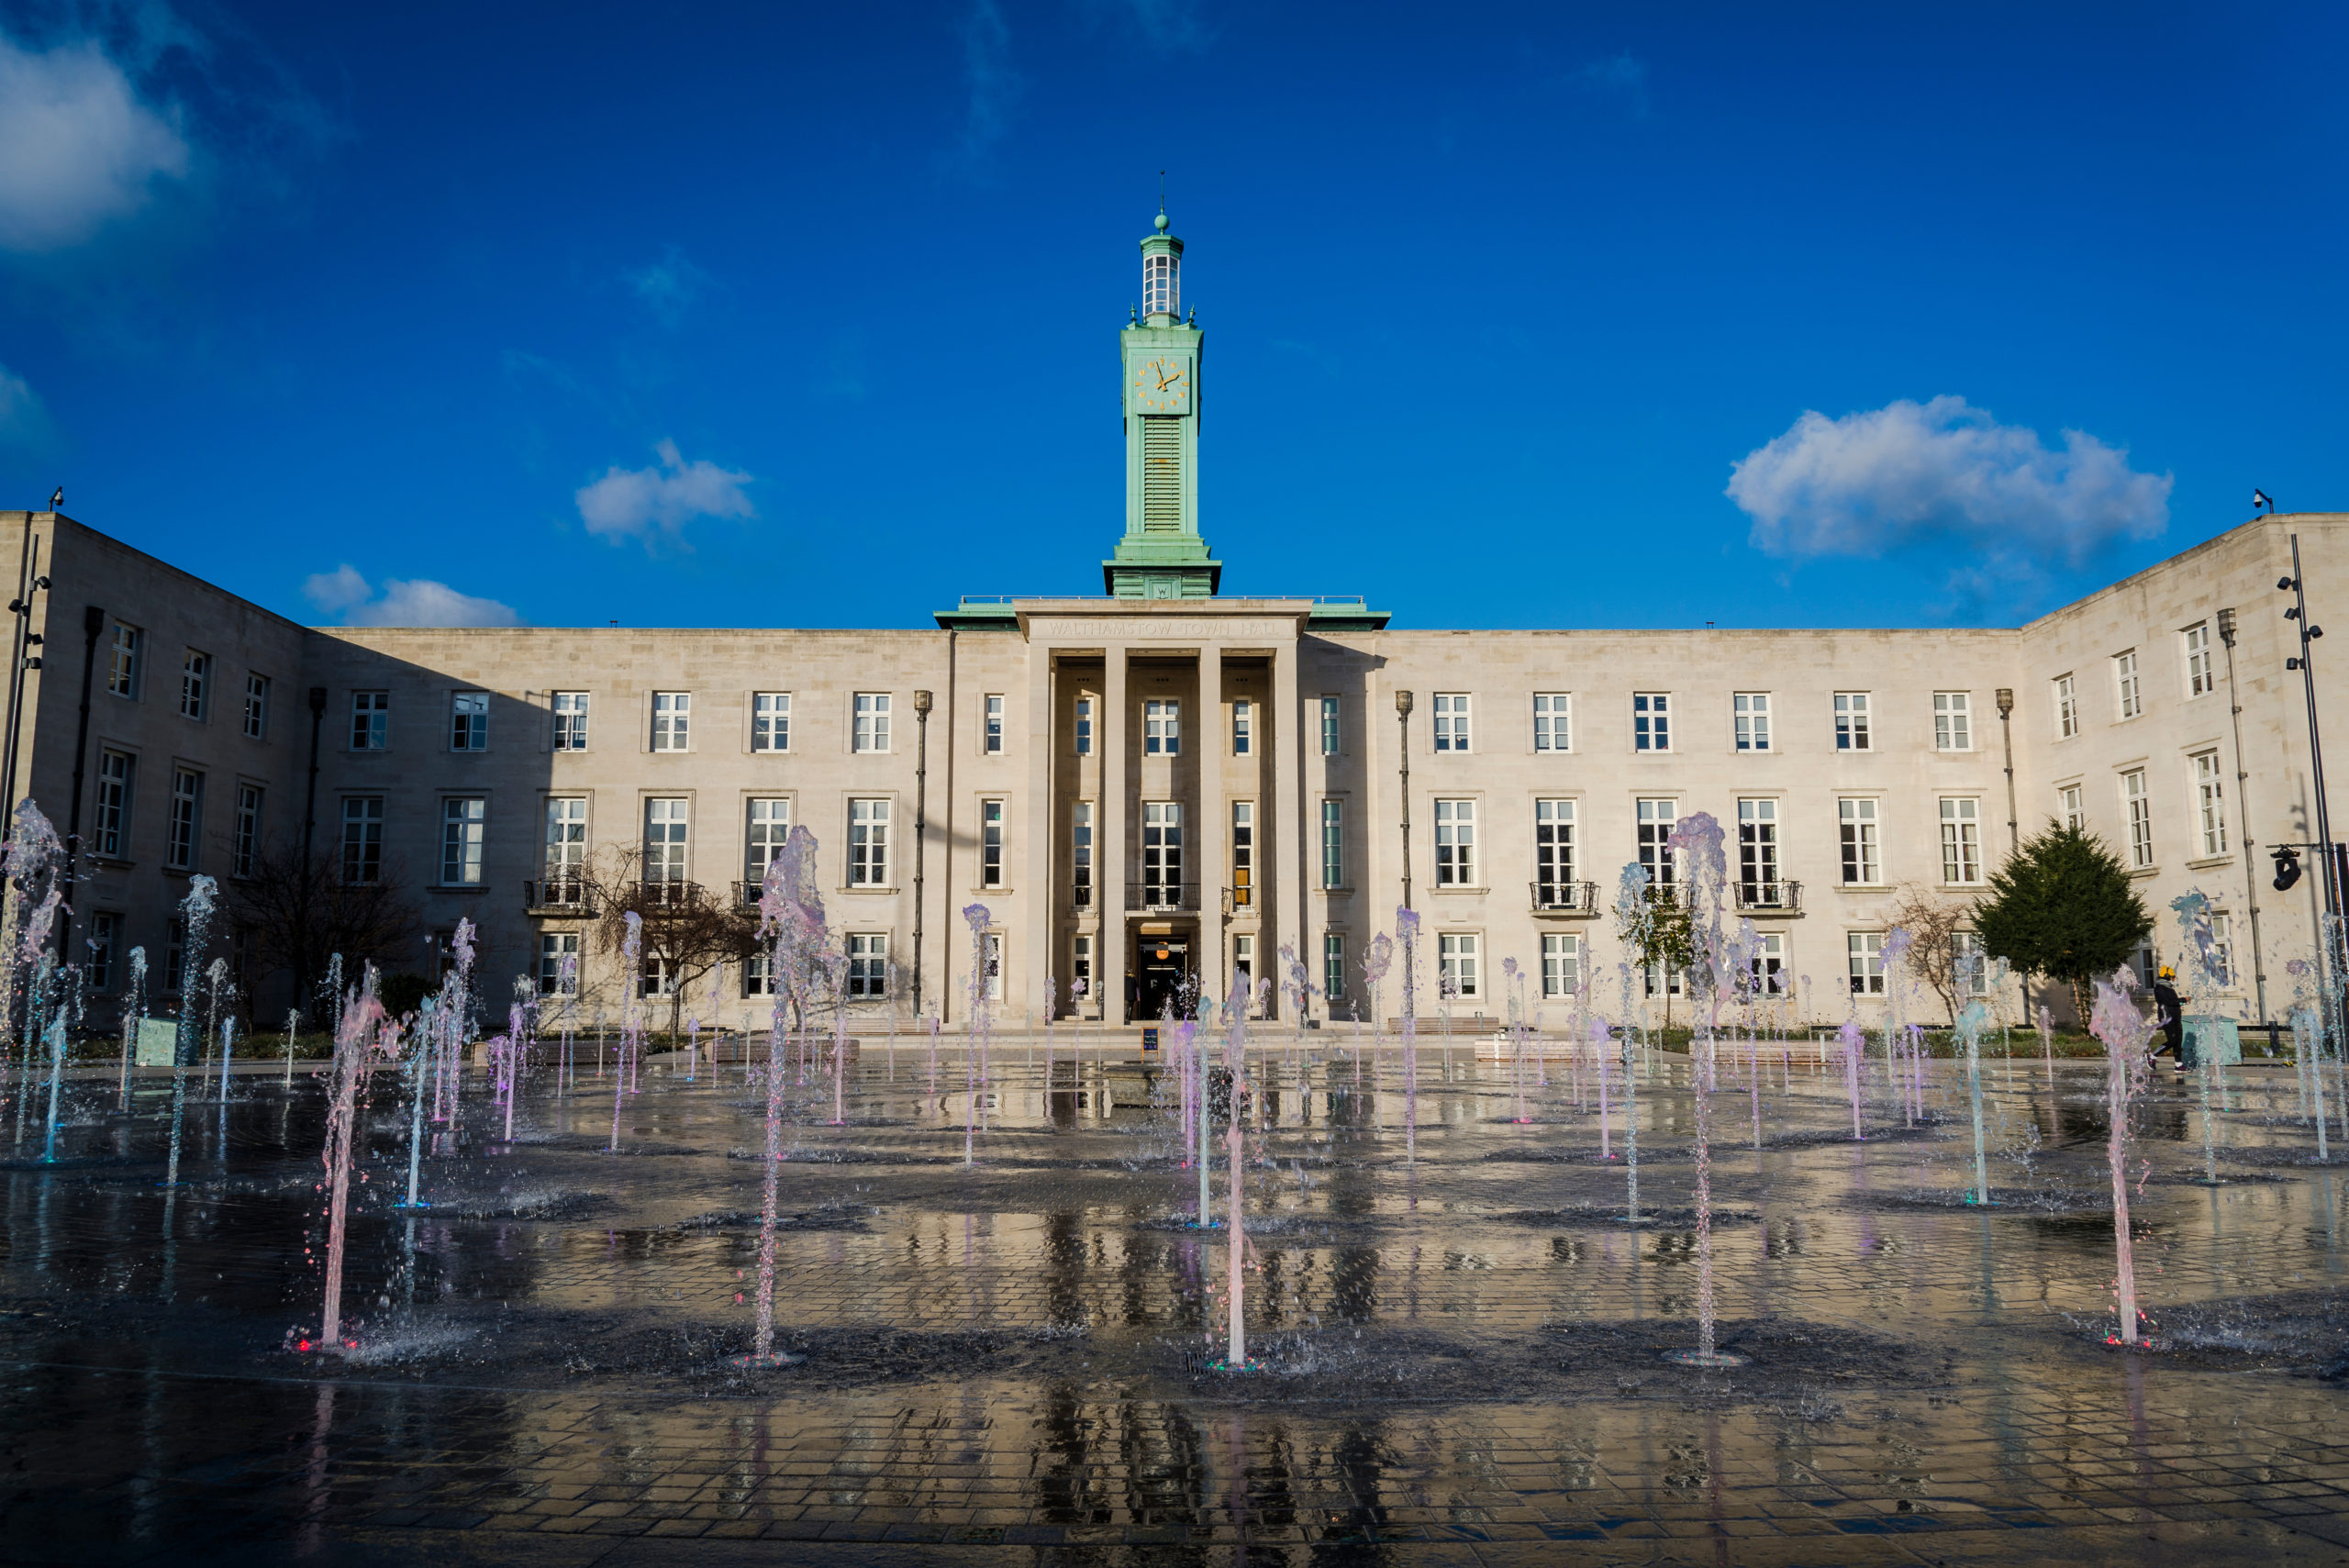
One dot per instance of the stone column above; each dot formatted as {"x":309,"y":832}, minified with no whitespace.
{"x":1040,"y":893}
{"x":1115,"y":950}
{"x":1211,"y":834}
{"x":1288,"y":888}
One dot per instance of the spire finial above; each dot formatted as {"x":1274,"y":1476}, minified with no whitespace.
{"x":1158,"y":223}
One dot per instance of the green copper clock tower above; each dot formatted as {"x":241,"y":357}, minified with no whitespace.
{"x":1161,"y":555}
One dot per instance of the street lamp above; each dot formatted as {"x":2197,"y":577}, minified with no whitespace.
{"x":1403,"y":727}
{"x":2296,"y":584}
{"x":921,"y":809}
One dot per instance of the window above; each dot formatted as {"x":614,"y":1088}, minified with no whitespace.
{"x":2141,"y":818}
{"x":2075,"y":817}
{"x":1081,"y":971}
{"x":1553,"y":854}
{"x":767,"y":825}
{"x":1852,"y":722}
{"x":868,"y":843}
{"x":758,"y":974}
{"x":1244,"y":726}
{"x":1451,"y":721}
{"x":673,"y":720}
{"x":992,"y":944}
{"x":1857,"y":820}
{"x":370,"y":720}
{"x":105,"y":941}
{"x":1767,"y":972}
{"x":1961,"y":840}
{"x":993,"y":744}
{"x":195,"y":686}
{"x":990,"y":843}
{"x":571,"y":721}
{"x":1161,"y":851}
{"x":1867,"y":962}
{"x":187,"y":818}
{"x":256,"y":707}
{"x":1758,"y":852}
{"x":1085,"y":726}
{"x":247,"y":849}
{"x":2199,"y":676}
{"x":2210,"y":806}
{"x":559,"y":963}
{"x":1661,"y":982}
{"x":1750,"y":711}
{"x":566,"y":845}
{"x":1654,"y":820}
{"x":1651,"y":721}
{"x":1561,"y":963}
{"x":2067,"y":707}
{"x":362,"y":838}
{"x":1969,"y":963}
{"x":1080,"y":858}
{"x":1162,"y":729}
{"x":468,"y":721}
{"x":1334,"y":844}
{"x":116,"y":769}
{"x":464,"y":821}
{"x":665,"y":826}
{"x":1455,"y":843}
{"x":657,"y":978}
{"x":1243,"y":854}
{"x":2125,"y":675}
{"x":1328,"y":727}
{"x":1553,"y":721}
{"x":2223,"y":951}
{"x":770,"y":721}
{"x":123,"y":660}
{"x":868,"y":966}
{"x":869,"y":727}
{"x":1457,"y":952}
{"x":1953,"y":722}
{"x":1243,"y":968}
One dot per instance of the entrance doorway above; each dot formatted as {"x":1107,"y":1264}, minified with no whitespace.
{"x":1161,"y":966}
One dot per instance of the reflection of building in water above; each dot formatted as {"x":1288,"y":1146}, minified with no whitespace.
{"x":1159,"y":787}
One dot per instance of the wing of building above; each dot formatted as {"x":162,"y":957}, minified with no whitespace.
{"x":1151,"y":791}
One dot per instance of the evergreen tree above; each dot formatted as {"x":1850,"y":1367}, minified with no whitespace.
{"x":2062,"y":908}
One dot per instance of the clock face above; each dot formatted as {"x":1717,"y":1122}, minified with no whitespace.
{"x":1163,"y":386}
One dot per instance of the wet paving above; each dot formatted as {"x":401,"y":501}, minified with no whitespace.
{"x":1462,"y":1339}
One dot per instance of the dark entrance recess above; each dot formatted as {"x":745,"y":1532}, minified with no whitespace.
{"x":1160,"y":965}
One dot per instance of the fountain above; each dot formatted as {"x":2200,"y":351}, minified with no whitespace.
{"x":1855,"y":1042}
{"x":1407,"y":932}
{"x":1634,"y":921}
{"x":2193,"y":911}
{"x":354,"y":1043}
{"x":196,"y":917}
{"x":791,"y":914}
{"x":2124,"y":1031}
{"x":1972,"y":1019}
{"x":1697,"y":838}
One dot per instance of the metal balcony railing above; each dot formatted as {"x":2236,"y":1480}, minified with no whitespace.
{"x":664,"y":895}
{"x":1564,"y":897}
{"x":1770,"y":897}
{"x":1170,"y":896}
{"x":746,"y":896}
{"x":562,"y":895}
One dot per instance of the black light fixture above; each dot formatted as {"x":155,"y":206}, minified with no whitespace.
{"x":2287,"y":867}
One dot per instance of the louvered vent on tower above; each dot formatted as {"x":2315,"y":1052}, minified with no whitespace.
{"x":1161,"y":475}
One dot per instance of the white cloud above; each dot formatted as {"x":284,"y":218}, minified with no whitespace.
{"x":404,"y":602}
{"x":78,"y":146}
{"x":1944,"y":473}
{"x":669,"y":285}
{"x":637,"y":503}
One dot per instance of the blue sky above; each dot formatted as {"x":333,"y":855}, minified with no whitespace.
{"x":1518,"y":316}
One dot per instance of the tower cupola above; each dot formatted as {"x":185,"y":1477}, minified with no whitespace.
{"x":1161,"y":275}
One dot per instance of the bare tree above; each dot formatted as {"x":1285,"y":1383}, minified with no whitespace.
{"x":688,"y":929}
{"x":297,"y":918}
{"x":1932,"y":924}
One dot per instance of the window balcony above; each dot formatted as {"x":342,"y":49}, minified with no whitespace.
{"x":563,"y":897}
{"x":1564,"y":897}
{"x":1769,"y":897}
{"x":1153,"y":897}
{"x":747,"y":894}
{"x":1083,"y":900}
{"x":652,"y":895}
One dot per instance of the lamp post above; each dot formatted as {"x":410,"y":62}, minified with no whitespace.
{"x":2296,"y":585}
{"x":921,"y":821}
{"x":2014,"y":828}
{"x":1403,"y":727}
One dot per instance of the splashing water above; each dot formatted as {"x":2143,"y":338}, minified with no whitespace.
{"x":1697,"y":840}
{"x":979,"y":919}
{"x":791,"y":914}
{"x":2124,"y":1031}
{"x":1972,"y":1019}
{"x":355,"y":1041}
{"x":195,"y":914}
{"x":2193,"y":912}
{"x":1634,"y":919}
{"x":1855,"y":1043}
{"x":1407,"y":931}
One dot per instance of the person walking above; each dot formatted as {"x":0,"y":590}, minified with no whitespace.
{"x":2169,"y":1016}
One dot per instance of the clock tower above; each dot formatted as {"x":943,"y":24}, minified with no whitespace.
{"x":1161,"y":555}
